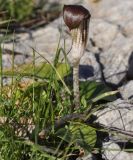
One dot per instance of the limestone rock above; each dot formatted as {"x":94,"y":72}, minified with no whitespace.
{"x":128,"y":28}
{"x":113,"y":11}
{"x":115,"y":59}
{"x":102,"y":33}
{"x":117,"y":114}
{"x":127,"y":90}
{"x":113,"y":151}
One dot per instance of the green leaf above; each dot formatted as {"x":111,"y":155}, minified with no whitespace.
{"x":83,"y":135}
{"x":80,"y":134}
{"x":1,"y":135}
{"x":5,"y":21}
{"x":64,"y":134}
{"x":91,"y":89}
{"x":43,"y":70}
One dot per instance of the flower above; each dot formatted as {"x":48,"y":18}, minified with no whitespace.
{"x":76,"y":17}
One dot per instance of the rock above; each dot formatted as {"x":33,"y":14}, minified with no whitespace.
{"x":112,"y":11}
{"x":102,"y":33}
{"x":120,"y":12}
{"x":127,"y":28}
{"x":19,"y":59}
{"x":127,"y":90}
{"x":115,"y":59}
{"x":113,"y":151}
{"x":6,"y":61}
{"x":117,"y":114}
{"x":66,"y":1}
{"x":44,"y":40}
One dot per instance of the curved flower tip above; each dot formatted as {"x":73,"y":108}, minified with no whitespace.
{"x":74,"y":15}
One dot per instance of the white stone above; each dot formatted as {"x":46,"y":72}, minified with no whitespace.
{"x":112,"y":151}
{"x":127,"y":90}
{"x":117,"y":114}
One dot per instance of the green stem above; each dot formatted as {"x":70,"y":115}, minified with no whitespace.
{"x":76,"y":86}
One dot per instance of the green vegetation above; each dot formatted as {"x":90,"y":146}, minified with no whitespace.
{"x":36,"y":115}
{"x":26,"y":14}
{"x":17,"y":9}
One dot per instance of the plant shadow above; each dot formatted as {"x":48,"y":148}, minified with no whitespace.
{"x":86,"y":71}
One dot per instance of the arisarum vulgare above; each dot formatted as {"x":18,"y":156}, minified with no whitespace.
{"x":77,"y":18}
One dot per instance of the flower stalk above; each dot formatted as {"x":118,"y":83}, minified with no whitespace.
{"x":77,"y":18}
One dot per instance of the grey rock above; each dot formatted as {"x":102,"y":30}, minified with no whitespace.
{"x":120,"y":12}
{"x":102,"y":33}
{"x":44,"y":40}
{"x":127,"y":28}
{"x":19,"y":59}
{"x":113,"y":11}
{"x":6,"y":61}
{"x":9,"y":58}
{"x":117,"y":114}
{"x":66,"y":1}
{"x":127,"y":90}
{"x":112,"y":151}
{"x":115,"y":59}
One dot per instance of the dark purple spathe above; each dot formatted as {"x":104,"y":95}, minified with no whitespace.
{"x":74,"y":15}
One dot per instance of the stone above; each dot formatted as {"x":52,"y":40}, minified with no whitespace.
{"x":117,"y":114}
{"x":19,"y":59}
{"x":127,"y":90}
{"x":66,"y":1}
{"x":44,"y":40}
{"x":113,"y":151}
{"x":102,"y":33}
{"x":120,"y":12}
{"x":115,"y":59}
{"x":6,"y":61}
{"x":127,"y":28}
{"x":112,"y":11}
